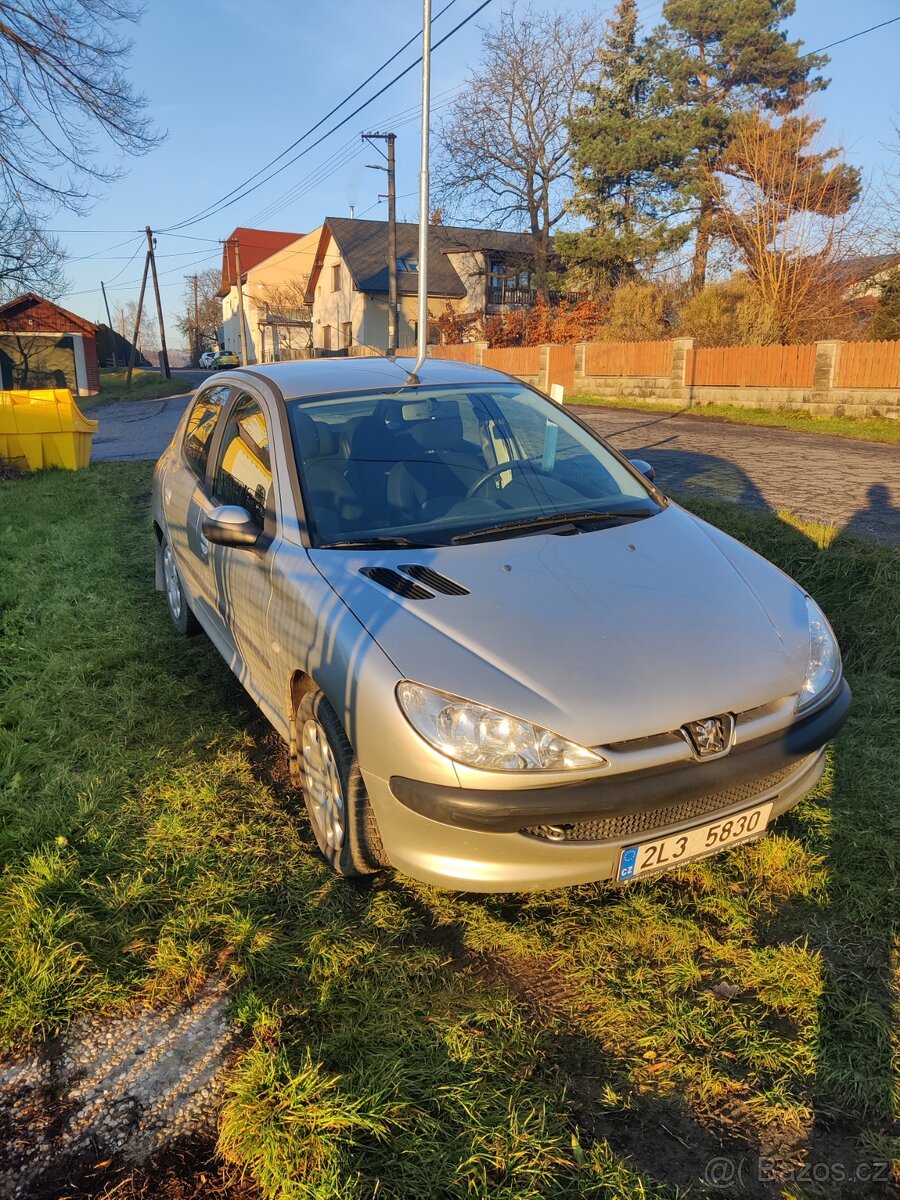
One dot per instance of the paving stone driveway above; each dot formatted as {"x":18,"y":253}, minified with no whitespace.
{"x":829,"y":479}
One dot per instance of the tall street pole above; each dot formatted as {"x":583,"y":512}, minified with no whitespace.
{"x":195,"y":349}
{"x":163,"y":352}
{"x":422,"y":264}
{"x":240,"y":291}
{"x":393,"y":333}
{"x":137,"y":320}
{"x":393,"y":314}
{"x":112,"y":336}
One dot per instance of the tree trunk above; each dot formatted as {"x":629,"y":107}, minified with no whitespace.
{"x":701,"y":244}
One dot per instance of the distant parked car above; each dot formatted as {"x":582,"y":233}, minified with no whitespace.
{"x":224,"y":358}
{"x":502,"y":658}
{"x":207,"y":358}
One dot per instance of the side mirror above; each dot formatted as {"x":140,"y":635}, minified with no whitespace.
{"x":644,"y":467}
{"x":230,"y":525}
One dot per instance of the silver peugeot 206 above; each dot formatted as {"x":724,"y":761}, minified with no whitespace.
{"x":502,"y":658}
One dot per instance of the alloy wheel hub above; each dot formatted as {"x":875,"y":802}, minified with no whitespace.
{"x":322,"y":784}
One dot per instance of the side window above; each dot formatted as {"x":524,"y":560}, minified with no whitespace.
{"x":244,"y":471}
{"x":200,"y":427}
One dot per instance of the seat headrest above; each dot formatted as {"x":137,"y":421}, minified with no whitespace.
{"x":443,"y":430}
{"x":307,"y":433}
{"x":327,"y":439}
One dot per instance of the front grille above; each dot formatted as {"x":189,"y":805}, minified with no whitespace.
{"x":604,"y":829}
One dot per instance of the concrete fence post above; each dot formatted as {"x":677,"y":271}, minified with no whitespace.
{"x":580,"y":386}
{"x":827,"y":355}
{"x":480,"y":348}
{"x":544,"y":377}
{"x":680,"y":388}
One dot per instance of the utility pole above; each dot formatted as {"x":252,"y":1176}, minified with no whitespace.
{"x":240,"y":291}
{"x":163,"y":352}
{"x":112,"y":336}
{"x":137,"y":320}
{"x":393,"y":315}
{"x":195,"y":349}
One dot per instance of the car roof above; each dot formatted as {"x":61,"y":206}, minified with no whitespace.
{"x":320,"y":376}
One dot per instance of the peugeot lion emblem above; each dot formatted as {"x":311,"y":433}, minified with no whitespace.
{"x":711,"y":737}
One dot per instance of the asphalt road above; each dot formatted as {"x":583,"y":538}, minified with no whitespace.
{"x":828,"y":479}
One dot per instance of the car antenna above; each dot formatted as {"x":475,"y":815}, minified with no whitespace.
{"x":412,"y":378}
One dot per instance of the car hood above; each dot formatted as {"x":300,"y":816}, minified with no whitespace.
{"x":604,"y":636}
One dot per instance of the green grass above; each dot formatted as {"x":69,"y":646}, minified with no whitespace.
{"x":871,"y":429}
{"x":405,"y":1041}
{"x":145,"y":385}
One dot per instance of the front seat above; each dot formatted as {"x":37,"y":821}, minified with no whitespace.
{"x":332,"y":505}
{"x":441,"y":468}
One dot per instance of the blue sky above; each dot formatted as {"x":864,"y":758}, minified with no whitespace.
{"x":235,"y":82}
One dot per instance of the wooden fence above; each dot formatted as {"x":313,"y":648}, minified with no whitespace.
{"x":868,"y":365}
{"x":515,"y":360}
{"x":461,"y":353}
{"x":628,"y":358}
{"x":752,"y":366}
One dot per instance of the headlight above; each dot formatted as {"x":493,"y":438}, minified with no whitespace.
{"x":483,"y":737}
{"x":824,"y":656}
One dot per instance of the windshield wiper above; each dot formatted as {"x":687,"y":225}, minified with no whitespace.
{"x":551,"y":522}
{"x":386,"y":542}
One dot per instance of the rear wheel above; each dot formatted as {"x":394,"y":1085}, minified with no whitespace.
{"x":342,"y":818}
{"x":182,"y":617}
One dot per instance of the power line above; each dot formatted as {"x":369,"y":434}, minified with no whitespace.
{"x":226,"y":203}
{"x":851,"y":36}
{"x":313,"y":128}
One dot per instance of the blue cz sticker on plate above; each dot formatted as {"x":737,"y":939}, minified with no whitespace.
{"x":628,"y":863}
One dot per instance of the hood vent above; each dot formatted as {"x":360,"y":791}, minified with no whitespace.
{"x":394,"y":582}
{"x":440,"y":583}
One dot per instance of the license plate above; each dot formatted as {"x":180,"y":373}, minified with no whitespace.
{"x":661,"y":853}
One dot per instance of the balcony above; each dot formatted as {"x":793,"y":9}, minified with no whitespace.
{"x":509,"y":296}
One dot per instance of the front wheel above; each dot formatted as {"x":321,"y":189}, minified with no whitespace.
{"x":342,"y":818}
{"x":182,"y":617}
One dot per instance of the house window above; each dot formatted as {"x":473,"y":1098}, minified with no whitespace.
{"x":407,"y":263}
{"x":336,"y":277}
{"x":326,"y":337}
{"x":347,"y":334}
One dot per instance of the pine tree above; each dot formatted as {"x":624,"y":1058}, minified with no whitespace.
{"x":625,"y":165}
{"x":720,"y":59}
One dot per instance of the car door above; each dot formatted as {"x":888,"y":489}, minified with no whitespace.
{"x":186,"y":501}
{"x":243,"y":474}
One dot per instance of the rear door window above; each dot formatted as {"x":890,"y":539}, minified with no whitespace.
{"x":200,"y":427}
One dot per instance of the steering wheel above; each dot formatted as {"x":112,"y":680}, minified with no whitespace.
{"x":518,"y":464}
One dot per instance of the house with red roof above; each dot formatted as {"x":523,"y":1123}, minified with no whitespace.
{"x":43,"y":345}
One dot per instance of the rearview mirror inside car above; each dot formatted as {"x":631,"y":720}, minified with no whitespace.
{"x":230,"y":525}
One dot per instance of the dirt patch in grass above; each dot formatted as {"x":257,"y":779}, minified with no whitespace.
{"x":10,"y":471}
{"x":187,"y":1169}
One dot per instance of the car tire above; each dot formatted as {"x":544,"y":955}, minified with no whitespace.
{"x":176,"y":601}
{"x":341,"y":815}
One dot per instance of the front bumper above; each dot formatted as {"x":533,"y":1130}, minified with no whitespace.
{"x":504,"y":811}
{"x":491,"y":840}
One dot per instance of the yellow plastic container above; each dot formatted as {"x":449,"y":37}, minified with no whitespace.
{"x":45,"y":429}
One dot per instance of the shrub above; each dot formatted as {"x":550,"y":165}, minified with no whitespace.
{"x":637,"y":313}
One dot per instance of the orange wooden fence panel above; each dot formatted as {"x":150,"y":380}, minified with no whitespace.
{"x":515,"y":360}
{"x":752,"y":366}
{"x":561,"y":368}
{"x":868,"y":365}
{"x":628,"y":358}
{"x":465,"y":352}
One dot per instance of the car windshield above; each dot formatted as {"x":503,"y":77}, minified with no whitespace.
{"x":442,"y":465}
